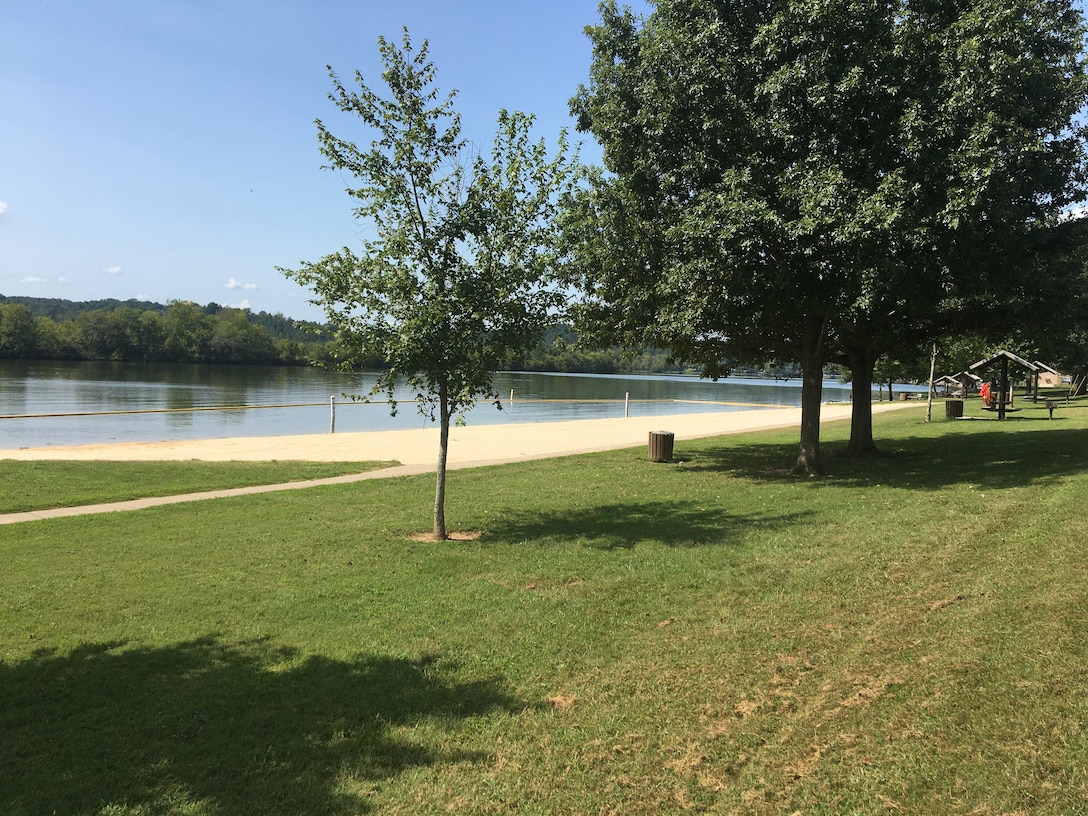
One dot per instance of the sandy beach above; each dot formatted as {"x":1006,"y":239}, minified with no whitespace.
{"x":417,"y":450}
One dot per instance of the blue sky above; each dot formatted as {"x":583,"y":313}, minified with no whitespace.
{"x":165,"y":149}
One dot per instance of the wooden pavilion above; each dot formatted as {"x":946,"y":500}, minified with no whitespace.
{"x":1043,"y":368}
{"x":965,"y":381}
{"x":1004,"y":358}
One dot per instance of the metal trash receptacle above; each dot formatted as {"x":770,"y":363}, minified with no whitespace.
{"x":661,"y":443}
{"x":953,"y":409}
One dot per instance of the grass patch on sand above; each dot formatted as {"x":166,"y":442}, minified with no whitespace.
{"x":907,"y":635}
{"x":42,"y":485}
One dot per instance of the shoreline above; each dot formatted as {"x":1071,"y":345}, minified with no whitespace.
{"x":469,"y":446}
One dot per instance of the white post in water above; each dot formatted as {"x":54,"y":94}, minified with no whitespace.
{"x":627,"y":405}
{"x":511,"y":396}
{"x":332,"y":414}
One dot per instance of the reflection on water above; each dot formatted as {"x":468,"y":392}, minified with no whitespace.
{"x":87,"y":388}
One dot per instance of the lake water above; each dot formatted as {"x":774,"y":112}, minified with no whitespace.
{"x":89,"y":401}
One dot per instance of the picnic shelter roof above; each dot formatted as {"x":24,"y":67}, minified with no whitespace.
{"x":1007,"y":355}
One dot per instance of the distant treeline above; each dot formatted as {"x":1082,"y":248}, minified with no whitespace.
{"x":560,"y":351}
{"x":185,"y":332}
{"x":138,"y":331}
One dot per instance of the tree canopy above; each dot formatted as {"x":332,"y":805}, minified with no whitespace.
{"x":460,"y":263}
{"x":818,"y":181}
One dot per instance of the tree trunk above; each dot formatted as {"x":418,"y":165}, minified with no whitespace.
{"x":440,"y":477}
{"x":808,"y":455}
{"x":929,"y":391}
{"x":861,"y":444}
{"x":812,"y":385}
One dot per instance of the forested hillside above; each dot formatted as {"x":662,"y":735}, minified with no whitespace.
{"x":181,"y":331}
{"x":139,"y":331}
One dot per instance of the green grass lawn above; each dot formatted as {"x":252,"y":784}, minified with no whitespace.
{"x":907,"y":635}
{"x":45,"y":485}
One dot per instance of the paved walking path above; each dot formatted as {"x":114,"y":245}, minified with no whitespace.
{"x":415,"y":450}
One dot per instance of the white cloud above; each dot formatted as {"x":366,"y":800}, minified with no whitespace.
{"x":113,"y":270}
{"x":236,"y":284}
{"x":244,"y":304}
{"x":3,"y":207}
{"x":62,"y":279}
{"x":33,"y":280}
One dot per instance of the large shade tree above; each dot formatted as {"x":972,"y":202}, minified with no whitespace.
{"x":459,"y":264}
{"x":1000,"y":129}
{"x":1047,"y":320}
{"x":813,"y":180}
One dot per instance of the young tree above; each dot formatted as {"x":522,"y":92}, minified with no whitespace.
{"x":460,"y":269}
{"x":811,"y":181}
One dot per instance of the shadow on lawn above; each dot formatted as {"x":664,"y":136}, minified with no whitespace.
{"x":622,"y":526}
{"x":990,"y":459}
{"x":208,"y":727}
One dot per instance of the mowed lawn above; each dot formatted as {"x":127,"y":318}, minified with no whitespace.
{"x":908,"y":635}
{"x":44,"y":485}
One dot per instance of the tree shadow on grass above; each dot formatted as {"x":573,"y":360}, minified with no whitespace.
{"x":623,"y":525}
{"x":989,"y":459}
{"x":212,"y":728}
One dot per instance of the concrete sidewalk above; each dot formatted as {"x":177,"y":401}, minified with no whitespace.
{"x":415,"y":450}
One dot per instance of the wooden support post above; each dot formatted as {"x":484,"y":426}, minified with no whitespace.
{"x":1003,"y":388}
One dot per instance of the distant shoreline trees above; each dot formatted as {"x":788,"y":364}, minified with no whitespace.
{"x":184,"y":332}
{"x":53,"y":329}
{"x":136,"y":331}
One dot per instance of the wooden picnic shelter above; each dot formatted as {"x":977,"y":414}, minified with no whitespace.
{"x":1042,"y":367}
{"x":1004,"y":358}
{"x":965,"y":380}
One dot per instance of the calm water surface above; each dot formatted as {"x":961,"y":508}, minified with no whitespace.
{"x":169,"y":392}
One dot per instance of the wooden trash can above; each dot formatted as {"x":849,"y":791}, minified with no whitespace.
{"x":953,"y":409}
{"x":661,"y":443}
